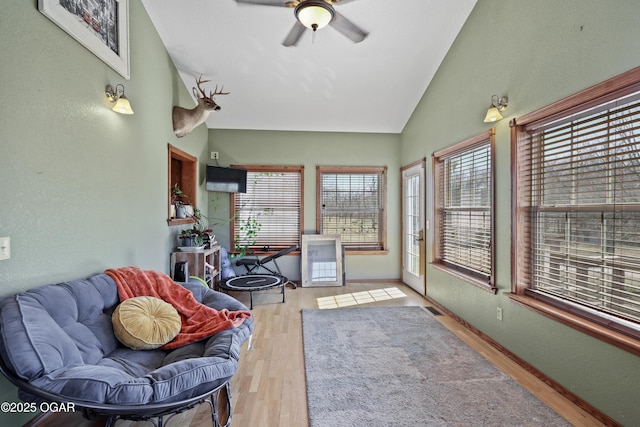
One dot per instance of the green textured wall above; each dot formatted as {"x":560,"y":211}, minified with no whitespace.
{"x":82,"y":188}
{"x":536,"y":53}
{"x":312,"y":149}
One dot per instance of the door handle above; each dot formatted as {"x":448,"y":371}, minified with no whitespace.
{"x":420,"y":236}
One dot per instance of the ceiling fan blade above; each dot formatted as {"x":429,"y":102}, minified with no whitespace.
{"x":339,"y":2}
{"x":280,"y":3}
{"x":294,"y":35}
{"x":348,"y":28}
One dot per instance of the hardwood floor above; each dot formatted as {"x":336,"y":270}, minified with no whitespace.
{"x":269,"y":387}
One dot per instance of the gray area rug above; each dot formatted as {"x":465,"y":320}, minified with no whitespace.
{"x":398,"y":366}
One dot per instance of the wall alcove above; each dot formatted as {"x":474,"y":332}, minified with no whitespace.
{"x":183,"y":170}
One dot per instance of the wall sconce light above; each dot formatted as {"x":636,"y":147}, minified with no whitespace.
{"x":497,"y":105}
{"x":117,"y":95}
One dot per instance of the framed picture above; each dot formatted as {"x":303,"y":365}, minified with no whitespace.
{"x":102,"y":26}
{"x":322,"y":259}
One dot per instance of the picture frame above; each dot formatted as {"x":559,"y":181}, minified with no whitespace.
{"x":322,"y":260}
{"x":102,"y":29}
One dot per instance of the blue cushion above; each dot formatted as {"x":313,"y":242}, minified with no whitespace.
{"x":60,"y":339}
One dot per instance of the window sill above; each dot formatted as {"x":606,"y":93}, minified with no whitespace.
{"x":365,"y":252}
{"x":260,"y":253}
{"x":179,"y":221}
{"x":346,"y":252}
{"x":581,"y":324}
{"x":466,"y":277}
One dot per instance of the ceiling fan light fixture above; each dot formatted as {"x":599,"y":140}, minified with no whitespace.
{"x":314,"y":14}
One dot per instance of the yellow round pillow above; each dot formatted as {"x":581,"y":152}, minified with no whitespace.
{"x":145,"y":323}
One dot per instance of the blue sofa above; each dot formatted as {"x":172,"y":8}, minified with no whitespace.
{"x":57,"y":344}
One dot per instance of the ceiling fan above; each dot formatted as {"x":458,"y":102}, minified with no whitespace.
{"x":314,"y":15}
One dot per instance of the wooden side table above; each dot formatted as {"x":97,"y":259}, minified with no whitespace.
{"x":198,"y":264}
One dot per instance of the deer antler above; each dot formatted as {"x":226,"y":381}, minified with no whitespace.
{"x":199,"y":82}
{"x":216,"y":92}
{"x":212,"y":93}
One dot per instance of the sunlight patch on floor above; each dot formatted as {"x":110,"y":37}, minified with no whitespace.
{"x":358,"y":298}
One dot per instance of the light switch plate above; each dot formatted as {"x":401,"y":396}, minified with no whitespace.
{"x":5,"y":248}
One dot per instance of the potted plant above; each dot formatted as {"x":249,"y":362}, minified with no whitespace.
{"x":179,"y":201}
{"x":247,"y":236}
{"x":198,"y":234}
{"x":248,"y":230}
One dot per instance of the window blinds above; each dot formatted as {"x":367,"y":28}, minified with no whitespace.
{"x":464,"y":207}
{"x":352,"y":205}
{"x":579,"y":185}
{"x":274,"y":200}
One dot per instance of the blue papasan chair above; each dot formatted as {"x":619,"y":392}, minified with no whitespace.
{"x":57,"y":344}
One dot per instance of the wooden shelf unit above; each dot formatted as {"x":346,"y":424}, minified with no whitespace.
{"x":198,"y":264}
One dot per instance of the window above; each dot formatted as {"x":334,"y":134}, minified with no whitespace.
{"x":463,"y":177}
{"x":269,"y":215}
{"x":578,"y":206}
{"x":351,"y":202}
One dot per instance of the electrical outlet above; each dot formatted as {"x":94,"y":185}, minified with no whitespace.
{"x":5,"y":248}
{"x":214,"y":155}
{"x":499,"y":313}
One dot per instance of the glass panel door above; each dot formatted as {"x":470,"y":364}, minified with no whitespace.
{"x":413,"y":219}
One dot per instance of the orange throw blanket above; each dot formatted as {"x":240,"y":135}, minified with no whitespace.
{"x":198,"y":320}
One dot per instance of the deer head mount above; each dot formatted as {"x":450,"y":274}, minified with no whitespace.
{"x":184,"y":120}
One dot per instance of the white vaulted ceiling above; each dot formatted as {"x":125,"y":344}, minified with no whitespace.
{"x":326,"y":83}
